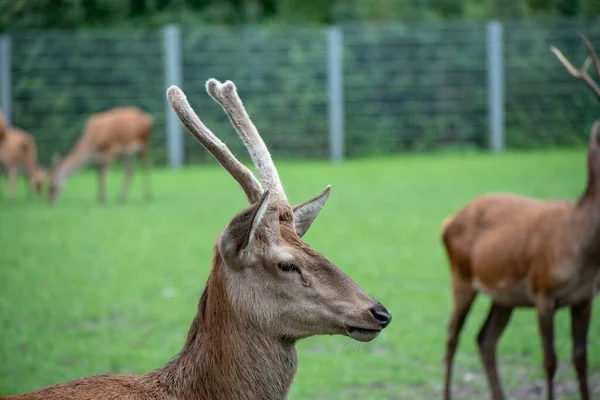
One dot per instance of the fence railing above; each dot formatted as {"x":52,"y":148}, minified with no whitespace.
{"x":314,"y":92}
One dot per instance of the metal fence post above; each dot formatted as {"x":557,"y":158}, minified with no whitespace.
{"x":172,"y":68}
{"x":336,"y":93}
{"x":495,"y":66}
{"x":6,"y":77}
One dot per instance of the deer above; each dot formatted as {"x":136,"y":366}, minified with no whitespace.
{"x":2,"y":126}
{"x":267,"y":289}
{"x":18,"y":151}
{"x":523,"y":252}
{"x":118,"y":132}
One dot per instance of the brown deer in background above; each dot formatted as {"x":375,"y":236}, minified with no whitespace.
{"x":18,"y":151}
{"x":2,"y":126}
{"x":267,"y":289}
{"x":117,"y":132}
{"x":528,"y":253}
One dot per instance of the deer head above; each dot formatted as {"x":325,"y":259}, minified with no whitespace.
{"x":275,"y":280}
{"x":56,"y":180}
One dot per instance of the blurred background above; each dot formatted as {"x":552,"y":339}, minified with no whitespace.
{"x":408,"y":108}
{"x":355,"y":77}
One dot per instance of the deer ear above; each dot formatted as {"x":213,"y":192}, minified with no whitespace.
{"x":305,"y":213}
{"x":261,"y":210}
{"x":240,"y":234}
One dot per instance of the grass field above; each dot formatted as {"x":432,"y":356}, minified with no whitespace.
{"x":88,"y":289}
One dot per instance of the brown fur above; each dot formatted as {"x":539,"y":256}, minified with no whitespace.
{"x":525,"y":253}
{"x":218,"y":361}
{"x":19,"y":151}
{"x":116,"y":132}
{"x":2,"y":126}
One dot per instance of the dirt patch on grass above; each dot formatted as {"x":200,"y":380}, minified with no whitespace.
{"x":529,"y":388}
{"x":518,"y":385}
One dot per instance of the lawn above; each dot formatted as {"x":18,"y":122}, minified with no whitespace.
{"x":87,"y":289}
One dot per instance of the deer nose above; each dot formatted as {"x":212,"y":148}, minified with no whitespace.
{"x":382,"y":315}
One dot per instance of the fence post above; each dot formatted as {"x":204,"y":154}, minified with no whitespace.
{"x":336,"y":93}
{"x":6,"y":77}
{"x":172,"y":68}
{"x":495,"y":66}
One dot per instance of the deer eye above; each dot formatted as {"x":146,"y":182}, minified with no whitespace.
{"x":288,"y":267}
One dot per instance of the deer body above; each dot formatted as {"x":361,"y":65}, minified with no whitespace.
{"x":267,"y":289}
{"x":540,"y":240}
{"x":120,"y":132}
{"x":523,"y":252}
{"x":18,"y":151}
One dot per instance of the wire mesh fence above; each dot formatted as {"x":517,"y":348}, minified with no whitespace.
{"x":405,"y":87}
{"x":60,"y":78}
{"x":545,"y":106}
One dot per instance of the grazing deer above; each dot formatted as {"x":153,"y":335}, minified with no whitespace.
{"x":267,"y":290}
{"x":528,"y":253}
{"x":18,"y":151}
{"x":117,"y":132}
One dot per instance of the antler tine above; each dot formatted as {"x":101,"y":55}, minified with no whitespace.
{"x":226,"y":95}
{"x":566,"y":63}
{"x":218,"y":149}
{"x":580,"y":73}
{"x":592,"y":52}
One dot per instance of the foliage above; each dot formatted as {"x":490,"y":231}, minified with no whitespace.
{"x":27,"y":14}
{"x":87,"y":289}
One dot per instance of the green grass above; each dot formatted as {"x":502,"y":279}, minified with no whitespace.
{"x":88,"y":289}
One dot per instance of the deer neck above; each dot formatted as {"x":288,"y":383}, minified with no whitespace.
{"x":72,"y":162}
{"x":225,"y":356}
{"x":587,"y":210}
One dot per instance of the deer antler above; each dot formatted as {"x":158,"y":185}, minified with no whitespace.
{"x":592,"y":52}
{"x":218,"y":149}
{"x":226,"y":95}
{"x":582,"y":73}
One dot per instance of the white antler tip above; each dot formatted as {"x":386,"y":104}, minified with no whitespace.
{"x":213,"y":87}
{"x":175,"y":95}
{"x":229,"y":87}
{"x":555,"y":50}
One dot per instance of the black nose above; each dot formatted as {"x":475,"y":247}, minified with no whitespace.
{"x":382,"y":315}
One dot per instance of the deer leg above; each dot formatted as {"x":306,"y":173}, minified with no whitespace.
{"x":464,"y":295}
{"x":12,"y":179}
{"x":1,"y":173}
{"x":545,"y":314}
{"x":29,"y":188}
{"x":580,"y":323}
{"x":28,"y":181}
{"x":144,"y":158}
{"x":488,"y":337}
{"x":127,"y":179}
{"x":102,"y":171}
